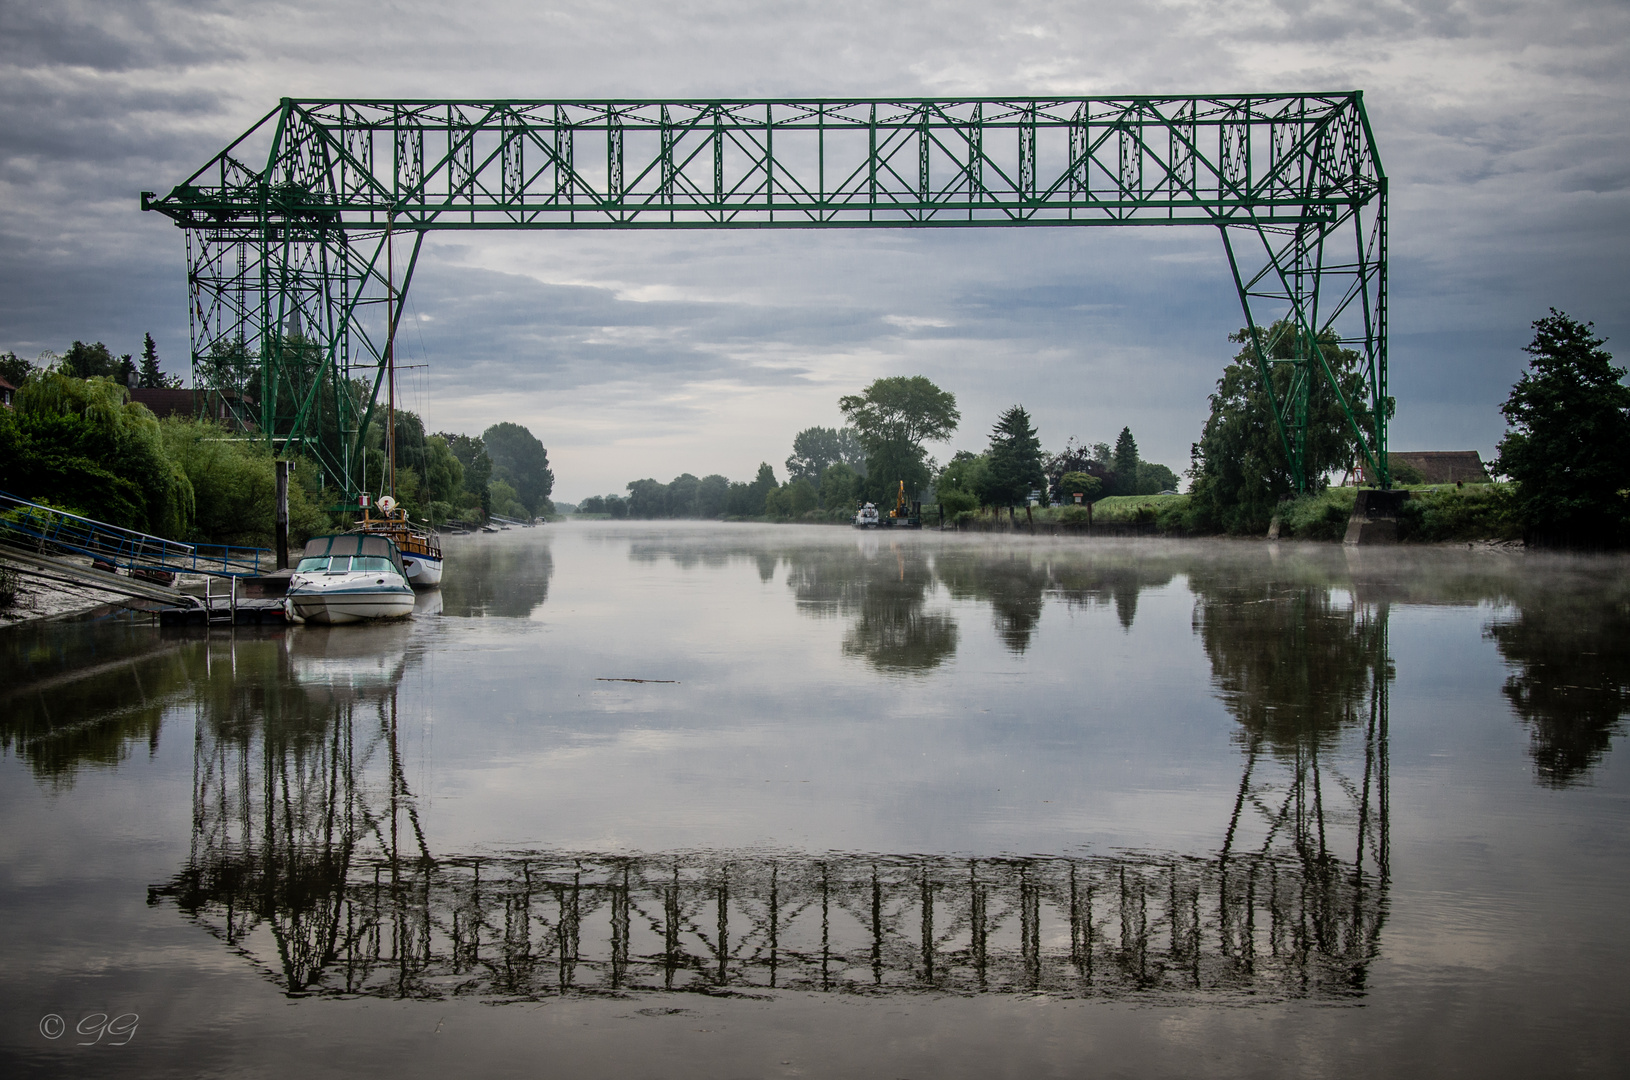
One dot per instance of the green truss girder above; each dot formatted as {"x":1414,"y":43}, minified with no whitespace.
{"x":289,"y":228}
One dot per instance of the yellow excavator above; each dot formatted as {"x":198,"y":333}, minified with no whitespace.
{"x":905,"y":515}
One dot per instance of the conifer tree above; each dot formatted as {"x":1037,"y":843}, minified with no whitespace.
{"x":151,"y":378}
{"x":1015,"y":461}
{"x":1126,"y":459}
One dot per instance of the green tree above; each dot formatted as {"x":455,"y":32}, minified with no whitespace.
{"x":234,"y":486}
{"x":961,"y":484}
{"x":738,"y":499}
{"x":892,"y":419}
{"x":84,"y":361}
{"x":816,"y":449}
{"x":647,"y":499}
{"x":1088,"y":486}
{"x":1568,"y":440}
{"x":1125,"y":463}
{"x":443,"y":481}
{"x":1403,"y":473}
{"x":1154,"y":478}
{"x":506,"y":503}
{"x":477,"y":465}
{"x":126,"y":375}
{"x":891,"y":465}
{"x":411,"y":442}
{"x":682,"y":491}
{"x":840,"y":485}
{"x":711,"y":495}
{"x":79,"y":443}
{"x":1075,"y":457}
{"x":1015,"y":461}
{"x":14,"y":369}
{"x":520,"y":460}
{"x":613,"y":505}
{"x":150,"y":377}
{"x":801,"y":497}
{"x":1239,"y":466}
{"x":778,"y":502}
{"x":759,"y":490}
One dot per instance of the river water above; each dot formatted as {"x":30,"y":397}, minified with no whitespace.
{"x":774,"y":801}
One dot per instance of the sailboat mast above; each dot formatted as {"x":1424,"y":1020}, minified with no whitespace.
{"x":390,"y":361}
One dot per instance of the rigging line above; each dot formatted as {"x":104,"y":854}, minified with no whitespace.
{"x":418,"y":385}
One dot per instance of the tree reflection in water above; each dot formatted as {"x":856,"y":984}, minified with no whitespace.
{"x":1569,"y":654}
{"x":1302,"y":669}
{"x":885,"y":584}
{"x":89,"y":692}
{"x":1011,"y":582}
{"x":1294,"y":661}
{"x":891,"y":625}
{"x":883,"y":590}
{"x":501,"y":575}
{"x":309,"y":860}
{"x":1088,"y":583}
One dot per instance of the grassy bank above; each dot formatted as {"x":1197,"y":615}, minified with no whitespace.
{"x":1431,"y":514}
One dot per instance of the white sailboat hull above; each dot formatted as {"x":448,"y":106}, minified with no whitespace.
{"x":423,"y":572}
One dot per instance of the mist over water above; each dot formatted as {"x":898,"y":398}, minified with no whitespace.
{"x":704,"y":799}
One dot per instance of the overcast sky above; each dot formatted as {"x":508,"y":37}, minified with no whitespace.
{"x":1502,"y":125}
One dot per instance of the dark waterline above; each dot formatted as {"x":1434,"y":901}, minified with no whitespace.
{"x":719,"y":800}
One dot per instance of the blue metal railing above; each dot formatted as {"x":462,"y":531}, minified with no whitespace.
{"x":42,"y":527}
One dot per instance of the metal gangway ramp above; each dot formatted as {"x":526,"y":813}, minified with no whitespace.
{"x":44,"y":540}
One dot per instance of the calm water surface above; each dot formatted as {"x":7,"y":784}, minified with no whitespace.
{"x":742,"y":801}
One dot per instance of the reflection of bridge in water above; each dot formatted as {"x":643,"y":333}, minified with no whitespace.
{"x":539,"y":923}
{"x":309,"y":859}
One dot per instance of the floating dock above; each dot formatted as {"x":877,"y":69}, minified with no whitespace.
{"x":222,"y":612}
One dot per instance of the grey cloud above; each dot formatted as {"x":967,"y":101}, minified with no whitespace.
{"x":508,"y":329}
{"x":123,"y":36}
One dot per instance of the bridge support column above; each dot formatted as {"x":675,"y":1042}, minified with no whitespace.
{"x":1375,"y":517}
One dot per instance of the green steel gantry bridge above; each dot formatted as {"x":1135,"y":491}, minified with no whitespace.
{"x":291,"y":229}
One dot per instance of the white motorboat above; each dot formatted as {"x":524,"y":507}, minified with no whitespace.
{"x":349,"y":577}
{"x":866,"y":517}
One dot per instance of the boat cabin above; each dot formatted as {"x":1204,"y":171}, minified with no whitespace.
{"x":365,"y":553}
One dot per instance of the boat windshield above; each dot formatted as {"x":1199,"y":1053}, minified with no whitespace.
{"x":340,"y":564}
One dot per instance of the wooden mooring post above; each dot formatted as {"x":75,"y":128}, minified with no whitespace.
{"x":283,"y":467}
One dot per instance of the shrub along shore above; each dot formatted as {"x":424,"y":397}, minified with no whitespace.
{"x":80,"y":445}
{"x":1431,"y":514}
